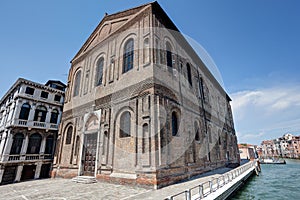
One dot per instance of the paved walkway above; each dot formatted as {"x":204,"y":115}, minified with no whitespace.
{"x":65,"y":189}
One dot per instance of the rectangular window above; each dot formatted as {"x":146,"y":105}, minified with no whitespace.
{"x":44,"y":94}
{"x":57,"y":98}
{"x":29,"y":90}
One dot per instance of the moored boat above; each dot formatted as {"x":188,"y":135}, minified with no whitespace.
{"x":272,"y":161}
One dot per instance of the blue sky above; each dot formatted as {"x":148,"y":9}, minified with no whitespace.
{"x":254,"y":43}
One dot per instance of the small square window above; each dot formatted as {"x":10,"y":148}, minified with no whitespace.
{"x":57,"y":98}
{"x":44,"y":94}
{"x":29,"y":90}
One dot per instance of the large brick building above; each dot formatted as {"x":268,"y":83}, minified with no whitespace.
{"x":141,"y":107}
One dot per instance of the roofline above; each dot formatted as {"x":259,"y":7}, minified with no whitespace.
{"x":194,"y":54}
{"x":26,"y":81}
{"x":102,"y":21}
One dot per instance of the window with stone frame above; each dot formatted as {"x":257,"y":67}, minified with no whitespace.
{"x":40,"y":114}
{"x":25,"y":110}
{"x":44,"y":94}
{"x":69,"y":134}
{"x":128,"y":55}
{"x":17,"y":144}
{"x":77,"y":81}
{"x":197,"y":132}
{"x":49,"y":144}
{"x":34,"y":144}
{"x":54,"y":116}
{"x":175,"y":124}
{"x":29,"y":90}
{"x":125,"y":124}
{"x":189,"y":74}
{"x":99,"y":72}
{"x":57,"y":98}
{"x":169,"y":55}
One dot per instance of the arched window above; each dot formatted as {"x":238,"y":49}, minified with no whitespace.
{"x":189,"y":74}
{"x":54,"y":116}
{"x":125,"y":124}
{"x":17,"y":144}
{"x":24,"y":113}
{"x":128,"y":55}
{"x":169,"y":55}
{"x":99,"y":72}
{"x":34,"y":144}
{"x":197,"y":134}
{"x":69,"y":135}
{"x":77,"y":84}
{"x":40,"y":114}
{"x":174,"y":124}
{"x":49,"y":145}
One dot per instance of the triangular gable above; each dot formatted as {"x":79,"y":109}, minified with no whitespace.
{"x":108,"y":25}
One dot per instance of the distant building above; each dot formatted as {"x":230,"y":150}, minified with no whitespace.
{"x":247,"y":151}
{"x":141,"y":107}
{"x":287,"y":146}
{"x":30,"y":114}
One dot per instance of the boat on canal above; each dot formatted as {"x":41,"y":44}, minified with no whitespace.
{"x":271,"y":161}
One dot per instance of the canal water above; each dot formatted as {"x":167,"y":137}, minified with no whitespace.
{"x":274,"y":182}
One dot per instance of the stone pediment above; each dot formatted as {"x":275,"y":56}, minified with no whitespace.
{"x":108,"y":25}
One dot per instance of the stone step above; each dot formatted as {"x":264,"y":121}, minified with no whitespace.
{"x":84,"y":179}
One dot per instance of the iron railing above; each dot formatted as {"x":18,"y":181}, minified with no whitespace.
{"x":204,"y":189}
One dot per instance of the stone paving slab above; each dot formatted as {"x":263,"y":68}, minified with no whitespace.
{"x":65,"y":189}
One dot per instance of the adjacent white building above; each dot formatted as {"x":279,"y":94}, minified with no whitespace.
{"x":30,"y":114}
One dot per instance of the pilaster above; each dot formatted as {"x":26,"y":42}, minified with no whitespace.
{"x":19,"y":173}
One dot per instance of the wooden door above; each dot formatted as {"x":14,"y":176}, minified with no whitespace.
{"x":89,"y":154}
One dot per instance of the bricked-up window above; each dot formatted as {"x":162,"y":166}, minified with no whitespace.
{"x":197,"y":132}
{"x":57,"y":98}
{"x":189,"y":74}
{"x":174,"y":124}
{"x":169,"y":55}
{"x":40,"y":114}
{"x":146,"y":51}
{"x":54,"y":116}
{"x":77,"y":83}
{"x":128,"y":56}
{"x":17,"y":144}
{"x":24,"y":113}
{"x":125,"y":124}
{"x":145,"y":140}
{"x":44,"y":94}
{"x":34,"y":144}
{"x":29,"y":90}
{"x":69,"y":135}
{"x":99,"y":72}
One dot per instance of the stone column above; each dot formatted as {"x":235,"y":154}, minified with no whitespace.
{"x":19,"y":173}
{"x":1,"y":173}
{"x":38,"y":170}
{"x":48,"y":115}
{"x":25,"y":145}
{"x":17,"y":109}
{"x":43,"y":145}
{"x":7,"y":147}
{"x":31,"y":113}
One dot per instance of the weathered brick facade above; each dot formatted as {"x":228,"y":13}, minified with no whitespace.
{"x":154,"y":117}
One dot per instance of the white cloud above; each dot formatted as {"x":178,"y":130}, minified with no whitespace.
{"x":266,"y":113}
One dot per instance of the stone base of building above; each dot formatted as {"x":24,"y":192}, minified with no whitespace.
{"x":152,"y":179}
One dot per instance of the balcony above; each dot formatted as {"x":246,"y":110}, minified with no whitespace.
{"x":28,"y":157}
{"x":33,"y":124}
